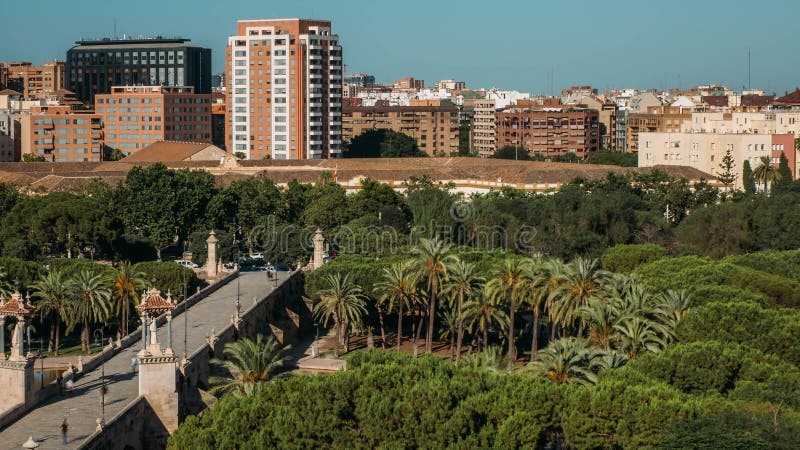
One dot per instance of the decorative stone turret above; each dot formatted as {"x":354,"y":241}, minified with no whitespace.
{"x":157,"y":365}
{"x":16,"y":372}
{"x":211,"y":263}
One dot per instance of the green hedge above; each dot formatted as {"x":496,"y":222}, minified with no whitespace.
{"x":387,"y":399}
{"x":169,"y":276}
{"x":624,"y":258}
{"x":71,"y":267}
{"x":692,"y":272}
{"x":26,"y":272}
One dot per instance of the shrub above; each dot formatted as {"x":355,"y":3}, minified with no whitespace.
{"x":169,"y":276}
{"x":624,"y":258}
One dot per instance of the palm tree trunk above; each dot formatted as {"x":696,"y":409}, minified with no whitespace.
{"x":511,"y":348}
{"x":460,"y":328}
{"x":452,"y":344}
{"x":485,"y":343}
{"x":58,"y":334}
{"x":336,"y":347}
{"x":383,"y":332}
{"x":419,"y":329}
{"x":85,"y":338}
{"x":52,"y":335}
{"x":535,"y":333}
{"x":431,"y":317}
{"x":400,"y":326}
{"x":124,"y":316}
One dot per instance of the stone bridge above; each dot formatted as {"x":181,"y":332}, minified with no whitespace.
{"x":141,"y":409}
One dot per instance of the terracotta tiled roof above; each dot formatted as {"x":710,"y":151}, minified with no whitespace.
{"x":792,"y":98}
{"x":164,"y":151}
{"x":715,"y":100}
{"x":16,"y":306}
{"x":757,"y":100}
{"x":153,"y":302}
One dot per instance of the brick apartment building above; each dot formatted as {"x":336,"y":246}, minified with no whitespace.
{"x":137,"y":116}
{"x":433,"y":124}
{"x":657,"y":119}
{"x":60,"y":134}
{"x":284,"y":90}
{"x":549,"y":131}
{"x":33,"y":81}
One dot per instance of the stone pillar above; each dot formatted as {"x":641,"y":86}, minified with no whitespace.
{"x":144,"y":332}
{"x":211,"y":263}
{"x":18,"y":341}
{"x":169,"y":332}
{"x":2,"y":338}
{"x":16,"y":377}
{"x":319,"y":241}
{"x":158,"y":383}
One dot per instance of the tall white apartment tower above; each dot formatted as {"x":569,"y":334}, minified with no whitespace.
{"x":284,"y":95}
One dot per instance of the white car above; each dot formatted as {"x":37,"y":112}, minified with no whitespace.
{"x":185,"y":263}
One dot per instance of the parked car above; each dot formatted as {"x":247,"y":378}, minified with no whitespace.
{"x":186,"y":263}
{"x":282,"y":268}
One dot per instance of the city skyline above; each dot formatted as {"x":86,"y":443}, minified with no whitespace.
{"x":539,"y":48}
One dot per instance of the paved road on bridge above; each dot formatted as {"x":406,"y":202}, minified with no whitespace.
{"x":83,"y":407}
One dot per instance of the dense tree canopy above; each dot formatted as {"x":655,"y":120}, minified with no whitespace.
{"x":381,"y":143}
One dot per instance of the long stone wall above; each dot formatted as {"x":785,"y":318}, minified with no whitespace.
{"x":15,"y":413}
{"x":281,"y":313}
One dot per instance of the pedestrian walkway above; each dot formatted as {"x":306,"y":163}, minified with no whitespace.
{"x":83,"y":407}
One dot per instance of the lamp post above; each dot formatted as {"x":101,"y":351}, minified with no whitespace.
{"x":316,"y":339}
{"x":185,"y":325}
{"x":102,"y":378}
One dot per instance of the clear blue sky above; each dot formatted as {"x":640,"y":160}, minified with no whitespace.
{"x":513,"y":44}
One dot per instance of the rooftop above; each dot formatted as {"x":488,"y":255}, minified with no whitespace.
{"x":522,"y":174}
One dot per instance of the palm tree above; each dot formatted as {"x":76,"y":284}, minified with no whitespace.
{"x":567,"y":360}
{"x":490,"y":359}
{"x":510,"y":287}
{"x":765,"y":173}
{"x":5,"y":286}
{"x":90,"y":303}
{"x":463,"y":284}
{"x":251,"y":363}
{"x":581,"y":280}
{"x":600,"y":316}
{"x":343,"y":302}
{"x":127,"y":283}
{"x":637,"y":336}
{"x":542,"y":282}
{"x":449,"y":320}
{"x":398,"y":287}
{"x":483,"y":312}
{"x":431,"y":257}
{"x":53,"y":291}
{"x":670,"y":309}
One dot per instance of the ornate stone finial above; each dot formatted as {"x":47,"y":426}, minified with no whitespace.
{"x":80,"y":363}
{"x":100,"y":424}
{"x":30,"y":443}
{"x":169,"y":297}
{"x":212,"y":339}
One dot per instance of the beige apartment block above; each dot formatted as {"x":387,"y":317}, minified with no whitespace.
{"x":704,"y":151}
{"x":137,"y":116}
{"x":284,"y":90}
{"x":35,"y":81}
{"x":667,"y":119}
{"x":434,"y":125}
{"x":483,"y":128}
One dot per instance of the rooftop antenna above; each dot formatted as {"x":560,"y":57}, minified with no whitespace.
{"x":115,"y":28}
{"x":749,"y":80}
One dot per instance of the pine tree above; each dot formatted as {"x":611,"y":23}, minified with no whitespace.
{"x":785,"y":179}
{"x":747,"y":179}
{"x":727,"y":176}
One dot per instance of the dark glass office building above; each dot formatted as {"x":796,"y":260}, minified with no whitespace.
{"x":94,"y":66}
